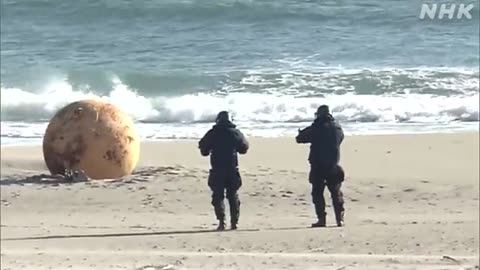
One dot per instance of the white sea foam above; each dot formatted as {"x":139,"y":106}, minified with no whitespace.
{"x":20,"y":105}
{"x":265,"y":113}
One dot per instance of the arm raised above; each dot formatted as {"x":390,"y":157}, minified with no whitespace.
{"x":304,"y":135}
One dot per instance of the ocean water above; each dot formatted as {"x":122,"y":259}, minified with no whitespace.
{"x":172,"y":65}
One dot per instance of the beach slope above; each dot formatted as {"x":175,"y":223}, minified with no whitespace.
{"x":412,"y":202}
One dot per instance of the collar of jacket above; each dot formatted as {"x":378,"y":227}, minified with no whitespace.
{"x":224,"y":124}
{"x":327,"y":118}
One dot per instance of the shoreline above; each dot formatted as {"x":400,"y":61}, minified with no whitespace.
{"x":173,"y":140}
{"x":166,"y":132}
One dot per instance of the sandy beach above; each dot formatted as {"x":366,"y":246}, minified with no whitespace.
{"x":412,"y":202}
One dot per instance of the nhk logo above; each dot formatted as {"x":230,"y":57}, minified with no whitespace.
{"x":446,"y":11}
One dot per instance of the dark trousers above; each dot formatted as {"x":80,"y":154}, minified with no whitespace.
{"x":230,"y":181}
{"x":331,"y":177}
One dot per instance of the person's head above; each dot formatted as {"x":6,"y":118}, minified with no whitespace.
{"x":223,"y":117}
{"x":322,"y":112}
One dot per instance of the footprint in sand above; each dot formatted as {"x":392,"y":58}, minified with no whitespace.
{"x":148,"y":200}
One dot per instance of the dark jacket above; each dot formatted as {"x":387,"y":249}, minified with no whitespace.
{"x":325,"y":136}
{"x":223,"y":142}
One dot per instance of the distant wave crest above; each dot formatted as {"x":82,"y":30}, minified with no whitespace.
{"x":262,"y":97}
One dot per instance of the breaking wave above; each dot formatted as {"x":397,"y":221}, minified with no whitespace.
{"x":389,"y":96}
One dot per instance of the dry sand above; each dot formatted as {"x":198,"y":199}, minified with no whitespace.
{"x":412,"y":202}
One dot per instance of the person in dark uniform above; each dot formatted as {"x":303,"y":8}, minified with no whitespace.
{"x":222,"y":143}
{"x":325,"y":136}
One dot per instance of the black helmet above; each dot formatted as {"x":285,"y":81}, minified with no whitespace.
{"x":223,"y":116}
{"x":322,"y":111}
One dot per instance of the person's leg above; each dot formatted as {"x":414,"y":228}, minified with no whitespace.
{"x":234,"y":184}
{"x":318,"y":187}
{"x":215,"y":182}
{"x":334,"y":183}
{"x":337,"y":201}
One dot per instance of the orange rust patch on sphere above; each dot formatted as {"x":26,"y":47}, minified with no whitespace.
{"x":93,"y":136}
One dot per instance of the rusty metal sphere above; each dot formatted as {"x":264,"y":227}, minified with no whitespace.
{"x":93,"y":136}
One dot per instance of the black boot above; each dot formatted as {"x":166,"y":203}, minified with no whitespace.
{"x":340,"y":218}
{"x":234,"y":204}
{"x":220,"y":214}
{"x":319,"y":203}
{"x":339,"y":211}
{"x":322,"y":222}
{"x":321,"y":215}
{"x":337,"y":202}
{"x":234,"y":214}
{"x":221,"y":225}
{"x":234,"y":220}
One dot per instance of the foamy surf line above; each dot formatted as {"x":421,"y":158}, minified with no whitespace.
{"x":266,"y":96}
{"x":268,"y":103}
{"x":32,"y":134}
{"x":18,"y":105}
